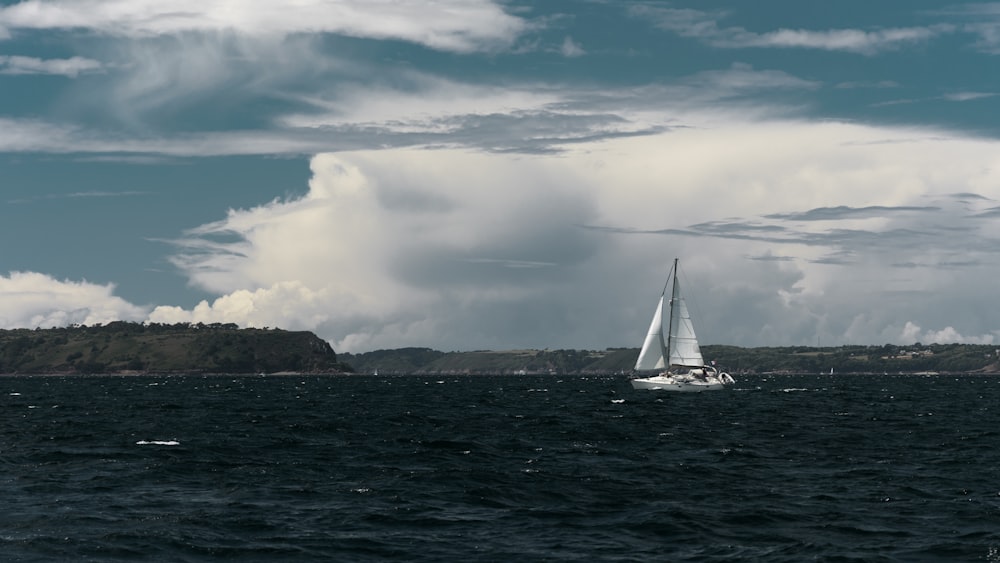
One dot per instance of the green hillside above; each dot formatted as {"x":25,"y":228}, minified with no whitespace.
{"x":122,"y":347}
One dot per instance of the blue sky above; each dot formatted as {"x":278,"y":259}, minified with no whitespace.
{"x":494,"y":175}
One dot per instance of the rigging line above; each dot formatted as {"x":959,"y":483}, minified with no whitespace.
{"x":670,"y":272}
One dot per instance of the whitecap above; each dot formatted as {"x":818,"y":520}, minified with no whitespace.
{"x":15,"y":394}
{"x":617,"y":401}
{"x":157,"y":443}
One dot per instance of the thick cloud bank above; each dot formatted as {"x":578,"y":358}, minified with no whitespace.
{"x":788,"y":233}
{"x":831,"y":233}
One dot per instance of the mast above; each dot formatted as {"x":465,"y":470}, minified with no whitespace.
{"x":670,"y":318}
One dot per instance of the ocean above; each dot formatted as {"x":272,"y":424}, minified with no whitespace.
{"x":498,"y":468}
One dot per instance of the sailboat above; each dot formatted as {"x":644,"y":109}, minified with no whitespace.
{"x":671,"y":348}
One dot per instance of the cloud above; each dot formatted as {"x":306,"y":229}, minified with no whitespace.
{"x":411,"y":109}
{"x":850,"y":40}
{"x":393,"y":246}
{"x":165,"y":63}
{"x":988,"y":36}
{"x":535,"y":117}
{"x":34,"y":300}
{"x":160,"y":79}
{"x":811,"y":229}
{"x":458,"y":249}
{"x":768,"y":257}
{"x":912,"y":334}
{"x":952,"y":97}
{"x":845,"y":212}
{"x":71,"y":67}
{"x":979,"y":19}
{"x":704,"y":26}
{"x":571,"y":48}
{"x":968,"y":96}
{"x":880,"y":84}
{"x":30,"y":135}
{"x":741,"y":79}
{"x":449,"y":25}
{"x":416,"y":102}
{"x":291,"y":304}
{"x":36,"y":135}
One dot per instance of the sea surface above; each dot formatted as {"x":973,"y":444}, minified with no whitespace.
{"x":514,"y":468}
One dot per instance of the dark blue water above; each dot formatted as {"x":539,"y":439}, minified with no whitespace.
{"x":797,"y":468}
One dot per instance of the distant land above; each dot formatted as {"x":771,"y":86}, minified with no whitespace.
{"x":133,"y":348}
{"x":151,"y":348}
{"x":917,"y":358}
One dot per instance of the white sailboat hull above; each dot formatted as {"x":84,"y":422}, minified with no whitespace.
{"x":682,"y":382}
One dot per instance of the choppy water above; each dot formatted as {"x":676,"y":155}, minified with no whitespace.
{"x":362,"y":468}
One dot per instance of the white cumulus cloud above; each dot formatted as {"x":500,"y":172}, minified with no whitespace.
{"x":34,"y":300}
{"x":461,"y":250}
{"x":788,"y":233}
{"x":912,"y":334}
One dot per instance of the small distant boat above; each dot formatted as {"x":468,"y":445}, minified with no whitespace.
{"x":673,"y":348}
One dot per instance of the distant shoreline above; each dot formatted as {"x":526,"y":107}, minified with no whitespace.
{"x":916,"y":359}
{"x":133,"y":349}
{"x":137,"y":375}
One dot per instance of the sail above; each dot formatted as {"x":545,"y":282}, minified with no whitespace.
{"x":651,"y":355}
{"x":671,"y":348}
{"x":684,"y":350}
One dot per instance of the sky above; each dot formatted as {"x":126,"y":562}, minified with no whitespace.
{"x":485,"y":174}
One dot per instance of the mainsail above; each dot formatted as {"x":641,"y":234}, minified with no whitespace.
{"x":684,"y":350}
